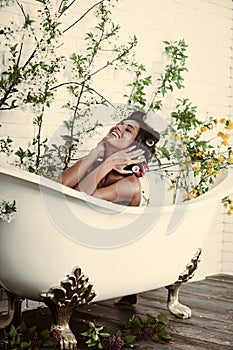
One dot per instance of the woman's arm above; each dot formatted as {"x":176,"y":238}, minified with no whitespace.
{"x":85,"y":176}
{"x":126,"y":191}
{"x":117,"y":161}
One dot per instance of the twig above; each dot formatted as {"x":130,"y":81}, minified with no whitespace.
{"x":80,"y":18}
{"x":61,"y":13}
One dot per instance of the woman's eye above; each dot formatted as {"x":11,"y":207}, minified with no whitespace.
{"x":128,"y":130}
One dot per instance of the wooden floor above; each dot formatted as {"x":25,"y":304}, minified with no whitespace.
{"x":210,"y":327}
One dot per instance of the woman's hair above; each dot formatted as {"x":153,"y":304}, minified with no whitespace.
{"x":146,"y":136}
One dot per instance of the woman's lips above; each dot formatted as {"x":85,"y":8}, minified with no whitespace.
{"x":115,"y":134}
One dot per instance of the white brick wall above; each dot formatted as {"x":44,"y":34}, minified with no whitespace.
{"x":206,"y":25}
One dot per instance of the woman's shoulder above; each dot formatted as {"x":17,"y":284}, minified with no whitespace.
{"x":134,"y":181}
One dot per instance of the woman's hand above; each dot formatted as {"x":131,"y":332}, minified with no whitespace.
{"x":126,"y":157}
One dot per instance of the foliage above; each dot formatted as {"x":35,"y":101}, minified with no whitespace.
{"x":28,"y":74}
{"x":25,"y":338}
{"x":4,"y":3}
{"x":6,"y":145}
{"x":32,"y":82}
{"x":170,"y":78}
{"x":99,"y":43}
{"x":194,"y":152}
{"x":7,"y":210}
{"x":27,"y":80}
{"x":95,"y":335}
{"x":134,"y":330}
{"x":228,"y":204}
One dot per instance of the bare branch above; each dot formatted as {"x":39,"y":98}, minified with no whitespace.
{"x":78,"y":20}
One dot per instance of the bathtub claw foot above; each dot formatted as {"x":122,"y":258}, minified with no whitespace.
{"x":173,"y":304}
{"x":68,"y":340}
{"x":62,"y":300}
{"x":177,"y":309}
{"x":14,"y":314}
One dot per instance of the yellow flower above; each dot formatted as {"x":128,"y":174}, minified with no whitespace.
{"x":220,"y":134}
{"x":229,"y":126}
{"x":185,"y":196}
{"x":175,"y":137}
{"x":199,"y":154}
{"x":216,"y":172}
{"x":220,"y":159}
{"x":210,"y":171}
{"x":184,"y":148}
{"x":230,"y":160}
{"x":203,"y":128}
{"x":223,"y":120}
{"x":188,"y":159}
{"x":194,"y":193}
{"x":211,"y":163}
{"x":172,"y":137}
{"x":196,"y":168}
{"x":172,"y":186}
{"x":226,"y":137}
{"x":224,"y":143}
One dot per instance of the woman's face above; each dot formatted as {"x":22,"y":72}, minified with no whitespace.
{"x":123,"y":134}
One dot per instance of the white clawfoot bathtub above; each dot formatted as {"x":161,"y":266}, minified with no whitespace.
{"x":123,"y":250}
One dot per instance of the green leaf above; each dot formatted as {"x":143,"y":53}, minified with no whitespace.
{"x":13,"y":331}
{"x":104,"y":335}
{"x":49,"y":341}
{"x":162,"y":318}
{"x":25,"y":345}
{"x":129,"y":340}
{"x":45,"y":333}
{"x":22,"y":327}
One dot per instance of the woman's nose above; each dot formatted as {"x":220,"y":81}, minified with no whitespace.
{"x":119,"y":127}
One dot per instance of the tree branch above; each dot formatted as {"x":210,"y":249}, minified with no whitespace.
{"x":78,"y":20}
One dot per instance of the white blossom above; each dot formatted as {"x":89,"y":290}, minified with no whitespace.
{"x":7,"y":211}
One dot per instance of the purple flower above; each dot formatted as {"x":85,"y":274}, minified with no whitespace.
{"x":114,"y":343}
{"x":35,"y":342}
{"x":56,"y":334}
{"x":148,"y":331}
{"x":145,"y":333}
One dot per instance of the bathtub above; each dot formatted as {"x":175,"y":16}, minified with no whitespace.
{"x":122,"y":250}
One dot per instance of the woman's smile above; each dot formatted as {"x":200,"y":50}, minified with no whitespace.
{"x":126,"y":131}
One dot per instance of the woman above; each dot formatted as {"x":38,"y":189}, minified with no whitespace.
{"x":111,"y":170}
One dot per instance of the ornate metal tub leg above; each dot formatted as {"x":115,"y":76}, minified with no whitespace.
{"x":62,"y":300}
{"x":173,"y":304}
{"x":14,"y":314}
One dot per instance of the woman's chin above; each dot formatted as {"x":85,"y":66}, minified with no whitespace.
{"x":117,"y":143}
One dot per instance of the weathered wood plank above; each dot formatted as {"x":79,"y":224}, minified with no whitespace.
{"x":210,"y":327}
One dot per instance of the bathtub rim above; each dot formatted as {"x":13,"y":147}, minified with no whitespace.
{"x":226,"y":186}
